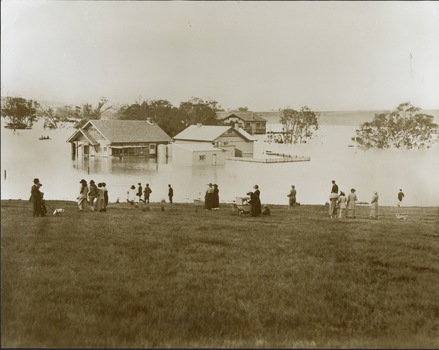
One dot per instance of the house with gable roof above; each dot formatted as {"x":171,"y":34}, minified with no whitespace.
{"x":251,"y":122}
{"x":118,"y":138}
{"x":211,"y":144}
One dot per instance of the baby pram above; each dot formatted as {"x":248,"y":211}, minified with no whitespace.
{"x":241,"y":205}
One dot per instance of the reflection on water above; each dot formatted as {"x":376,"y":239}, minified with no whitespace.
{"x":24,"y":157}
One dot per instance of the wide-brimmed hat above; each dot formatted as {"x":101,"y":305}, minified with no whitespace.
{"x":92,"y":181}
{"x":210,"y":184}
{"x":255,"y":186}
{"x":82,"y":181}
{"x":36,"y":180}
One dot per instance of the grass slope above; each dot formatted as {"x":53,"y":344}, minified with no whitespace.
{"x":186,"y":278}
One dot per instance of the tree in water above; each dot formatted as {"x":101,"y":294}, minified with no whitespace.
{"x":405,"y":128}
{"x":20,"y":112}
{"x":298,"y":126}
{"x":87,"y":112}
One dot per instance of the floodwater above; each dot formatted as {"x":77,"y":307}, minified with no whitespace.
{"x":24,"y":156}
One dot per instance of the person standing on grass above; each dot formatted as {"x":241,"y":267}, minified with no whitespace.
{"x":139,"y":192}
{"x":147,"y":192}
{"x":255,"y":201}
{"x":215,"y":197}
{"x":374,"y":206}
{"x":208,"y":197}
{"x":352,"y":198}
{"x":93,"y":194}
{"x":342,"y":205}
{"x":82,"y":198}
{"x":106,"y":198}
{"x":333,"y":198}
{"x":35,"y":197}
{"x":170,"y":193}
{"x":400,"y":197}
{"x":292,"y":197}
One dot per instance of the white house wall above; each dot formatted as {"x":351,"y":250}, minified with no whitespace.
{"x":183,"y":156}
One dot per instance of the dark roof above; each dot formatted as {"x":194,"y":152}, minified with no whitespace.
{"x":245,"y":116}
{"x":121,"y":131}
{"x":129,"y":131}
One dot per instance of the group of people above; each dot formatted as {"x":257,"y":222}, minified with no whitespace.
{"x":342,"y":206}
{"x":134,"y":197}
{"x":211,"y":197}
{"x":95,"y":196}
{"x":37,"y":199}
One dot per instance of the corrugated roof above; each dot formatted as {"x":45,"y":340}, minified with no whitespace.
{"x":209,"y":133}
{"x":130,"y":131}
{"x":86,"y":134}
{"x":246,"y":134}
{"x":202,"y":132}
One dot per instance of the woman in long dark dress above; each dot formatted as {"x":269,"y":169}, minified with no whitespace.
{"x":208,"y":198}
{"x":35,"y":197}
{"x":255,"y":201}
{"x":215,"y":197}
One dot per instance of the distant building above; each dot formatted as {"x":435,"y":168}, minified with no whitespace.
{"x":251,"y":122}
{"x":118,"y":138}
{"x":209,"y":144}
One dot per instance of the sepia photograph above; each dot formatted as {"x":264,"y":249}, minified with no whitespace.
{"x":219,"y":174}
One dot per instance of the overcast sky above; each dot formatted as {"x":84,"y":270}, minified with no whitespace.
{"x":263,"y":55}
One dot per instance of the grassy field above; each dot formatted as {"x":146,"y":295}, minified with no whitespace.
{"x":187,"y":278}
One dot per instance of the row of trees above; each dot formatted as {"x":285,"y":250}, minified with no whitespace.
{"x":172,"y":120}
{"x":405,"y":127}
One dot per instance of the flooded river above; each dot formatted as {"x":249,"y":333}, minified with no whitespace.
{"x":24,"y":156}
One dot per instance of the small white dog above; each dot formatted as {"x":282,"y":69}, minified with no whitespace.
{"x":401,"y":217}
{"x":58,"y":212}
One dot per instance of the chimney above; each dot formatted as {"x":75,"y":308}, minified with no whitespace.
{"x":199,"y":125}
{"x":148,"y":120}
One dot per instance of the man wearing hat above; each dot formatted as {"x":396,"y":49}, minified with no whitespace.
{"x":35,"y":197}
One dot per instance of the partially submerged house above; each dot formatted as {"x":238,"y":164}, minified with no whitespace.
{"x":251,"y":122}
{"x":209,"y":144}
{"x":118,"y":138}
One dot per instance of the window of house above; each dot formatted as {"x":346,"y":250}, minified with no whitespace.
{"x":247,"y":125}
{"x":202,"y":157}
{"x":105,"y":149}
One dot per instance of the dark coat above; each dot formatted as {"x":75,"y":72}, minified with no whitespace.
{"x":215,"y":197}
{"x":255,"y":202}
